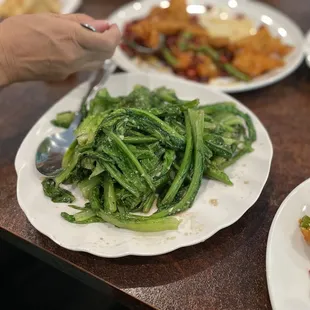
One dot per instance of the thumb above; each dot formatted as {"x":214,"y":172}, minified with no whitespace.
{"x":100,"y":25}
{"x":79,"y":18}
{"x":105,"y":41}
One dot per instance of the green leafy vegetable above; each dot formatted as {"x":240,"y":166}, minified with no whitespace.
{"x":305,"y":222}
{"x":56,"y":193}
{"x":63,"y":119}
{"x":109,"y":194}
{"x":196,"y":120}
{"x":131,"y":151}
{"x":139,"y":224}
{"x":86,"y":186}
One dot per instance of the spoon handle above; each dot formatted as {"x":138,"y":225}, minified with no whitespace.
{"x":96,"y":80}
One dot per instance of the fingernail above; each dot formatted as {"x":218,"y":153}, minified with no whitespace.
{"x":100,"y":25}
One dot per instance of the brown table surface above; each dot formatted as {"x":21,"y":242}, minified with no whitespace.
{"x":225,"y":272}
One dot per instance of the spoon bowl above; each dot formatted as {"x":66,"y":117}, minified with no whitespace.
{"x":49,"y":155}
{"x":51,"y":151}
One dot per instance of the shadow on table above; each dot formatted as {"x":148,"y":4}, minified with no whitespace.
{"x":38,"y":286}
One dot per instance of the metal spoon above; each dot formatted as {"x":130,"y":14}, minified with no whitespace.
{"x":146,"y":50}
{"x":50,"y":152}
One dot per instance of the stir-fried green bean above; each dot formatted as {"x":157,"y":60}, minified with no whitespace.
{"x":216,"y":57}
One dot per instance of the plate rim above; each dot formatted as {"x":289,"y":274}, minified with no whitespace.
{"x":19,"y":166}
{"x":235,"y":88}
{"x":73,"y":7}
{"x":275,"y":220}
{"x":307,"y":48}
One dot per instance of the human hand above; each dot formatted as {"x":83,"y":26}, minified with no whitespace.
{"x":51,"y":47}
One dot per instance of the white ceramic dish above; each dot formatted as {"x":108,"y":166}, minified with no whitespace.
{"x":67,"y":6}
{"x":288,"y":255}
{"x":307,"y":48}
{"x":259,"y":13}
{"x":70,"y":6}
{"x":199,"y":223}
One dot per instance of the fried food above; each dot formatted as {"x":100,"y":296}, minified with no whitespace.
{"x":18,"y":7}
{"x":190,"y":50}
{"x":255,"y":64}
{"x":262,"y":42}
{"x":218,"y":42}
{"x":304,"y":226}
{"x":306,"y":234}
{"x":177,"y":11}
{"x":206,"y":67}
{"x":168,"y":21}
{"x":168,"y":27}
{"x":144,"y":31}
{"x":184,"y":59}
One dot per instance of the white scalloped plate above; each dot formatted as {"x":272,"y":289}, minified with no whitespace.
{"x":260,"y":13}
{"x":288,"y":255}
{"x":307,"y":48}
{"x":199,"y":223}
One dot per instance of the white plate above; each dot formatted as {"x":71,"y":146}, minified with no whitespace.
{"x":259,"y":13}
{"x":70,"y":6}
{"x":199,"y":223}
{"x":288,"y":256}
{"x":307,"y":48}
{"x":67,"y":6}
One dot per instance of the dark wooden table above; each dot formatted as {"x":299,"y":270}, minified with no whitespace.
{"x":225,"y":272}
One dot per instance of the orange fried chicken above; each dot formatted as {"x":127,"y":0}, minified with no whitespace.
{"x":218,"y":42}
{"x":184,"y":59}
{"x":148,"y":34}
{"x":255,"y":64}
{"x":177,"y":11}
{"x":168,"y":21}
{"x":262,"y":42}
{"x":206,"y":68}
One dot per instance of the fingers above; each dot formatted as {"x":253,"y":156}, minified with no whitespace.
{"x":99,"y":42}
{"x":100,"y":25}
{"x":78,"y":18}
{"x":94,"y":65}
